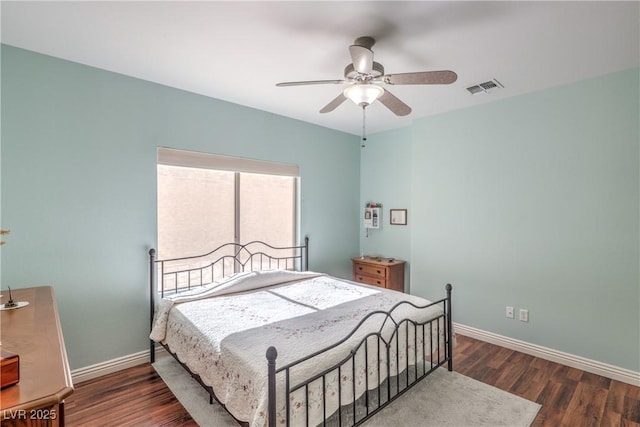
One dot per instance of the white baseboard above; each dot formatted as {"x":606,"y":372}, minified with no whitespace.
{"x":584,"y":364}
{"x":109,"y":367}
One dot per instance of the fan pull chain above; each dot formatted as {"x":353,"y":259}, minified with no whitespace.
{"x":364,"y":131}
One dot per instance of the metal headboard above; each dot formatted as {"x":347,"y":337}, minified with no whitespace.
{"x":184,"y":273}
{"x":178,"y":274}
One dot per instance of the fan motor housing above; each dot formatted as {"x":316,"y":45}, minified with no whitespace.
{"x":351,"y":74}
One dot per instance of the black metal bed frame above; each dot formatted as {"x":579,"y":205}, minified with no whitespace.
{"x":361,"y":409}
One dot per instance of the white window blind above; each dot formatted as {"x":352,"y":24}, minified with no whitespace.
{"x":194,"y":159}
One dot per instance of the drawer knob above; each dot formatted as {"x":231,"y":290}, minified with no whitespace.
{"x":379,"y":272}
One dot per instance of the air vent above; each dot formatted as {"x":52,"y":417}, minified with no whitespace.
{"x":485,"y":87}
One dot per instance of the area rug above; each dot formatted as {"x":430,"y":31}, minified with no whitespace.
{"x":442,"y":399}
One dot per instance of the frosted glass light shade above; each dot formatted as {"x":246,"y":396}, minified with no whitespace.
{"x":363,"y":94}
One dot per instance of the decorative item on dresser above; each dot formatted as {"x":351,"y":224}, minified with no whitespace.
{"x":383,"y":272}
{"x":34,"y":333}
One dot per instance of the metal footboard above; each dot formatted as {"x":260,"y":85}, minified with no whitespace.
{"x":428,"y":355}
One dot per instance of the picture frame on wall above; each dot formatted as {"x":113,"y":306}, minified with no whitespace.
{"x":398,"y":216}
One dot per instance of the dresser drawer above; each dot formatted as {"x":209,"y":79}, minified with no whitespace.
{"x":383,"y":272}
{"x":370,"y":280}
{"x":370,"y":270}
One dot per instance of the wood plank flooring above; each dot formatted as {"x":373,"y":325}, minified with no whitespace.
{"x":133,"y":397}
{"x":569,"y":397}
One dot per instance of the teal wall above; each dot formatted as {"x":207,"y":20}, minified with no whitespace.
{"x":78,"y":185}
{"x":385,"y":177}
{"x":530,"y":202}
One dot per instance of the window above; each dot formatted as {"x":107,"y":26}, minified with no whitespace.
{"x":205,"y":201}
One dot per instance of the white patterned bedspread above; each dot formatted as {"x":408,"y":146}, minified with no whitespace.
{"x":224,"y":338}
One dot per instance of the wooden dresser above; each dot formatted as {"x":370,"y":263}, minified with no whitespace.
{"x":384,"y":272}
{"x":34,"y":333}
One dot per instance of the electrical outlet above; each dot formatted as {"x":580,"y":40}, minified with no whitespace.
{"x":509,"y":312}
{"x":524,"y":315}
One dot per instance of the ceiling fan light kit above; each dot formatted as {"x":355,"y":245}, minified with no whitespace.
{"x":363,"y":94}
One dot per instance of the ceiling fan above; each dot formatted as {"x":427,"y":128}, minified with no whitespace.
{"x":365,"y":76}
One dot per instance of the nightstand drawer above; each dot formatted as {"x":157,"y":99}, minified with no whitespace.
{"x":370,"y":270}
{"x":370,"y":280}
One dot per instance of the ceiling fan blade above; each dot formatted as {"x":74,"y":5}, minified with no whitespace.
{"x":334,"y":104}
{"x":443,"y":77}
{"x":362,"y":58}
{"x":390,"y":101}
{"x":311,"y":82}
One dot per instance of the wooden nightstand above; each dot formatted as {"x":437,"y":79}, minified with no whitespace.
{"x":381,"y":272}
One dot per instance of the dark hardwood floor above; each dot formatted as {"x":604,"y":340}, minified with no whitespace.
{"x":133,"y":397}
{"x":569,"y":397}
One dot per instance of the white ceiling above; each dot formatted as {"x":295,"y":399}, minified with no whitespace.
{"x":238,"y":51}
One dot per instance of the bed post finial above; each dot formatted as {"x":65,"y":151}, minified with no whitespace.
{"x":272,"y":354}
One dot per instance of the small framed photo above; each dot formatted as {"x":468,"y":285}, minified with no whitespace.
{"x":398,"y":216}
